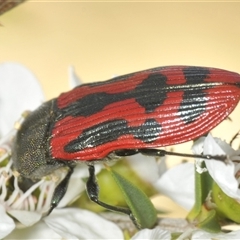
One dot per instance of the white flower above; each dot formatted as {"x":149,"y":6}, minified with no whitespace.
{"x":28,"y":208}
{"x":22,"y":212}
{"x":223,"y":173}
{"x":70,"y":223}
{"x":199,"y":235}
{"x":19,"y":91}
{"x":152,"y":234}
{"x":178,"y":184}
{"x":147,"y":167}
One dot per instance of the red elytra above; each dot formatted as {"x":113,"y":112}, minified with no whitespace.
{"x":189,"y":101}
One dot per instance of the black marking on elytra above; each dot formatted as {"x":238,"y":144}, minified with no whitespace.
{"x":194,"y":100}
{"x":88,"y":105}
{"x":192,"y":106}
{"x":111,"y":130}
{"x":195,"y":75}
{"x":150,"y":94}
{"x":147,"y":132}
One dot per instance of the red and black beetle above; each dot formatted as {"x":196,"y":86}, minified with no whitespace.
{"x":130,"y":114}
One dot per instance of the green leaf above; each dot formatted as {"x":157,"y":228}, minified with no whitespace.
{"x":200,"y":215}
{"x":227,"y":207}
{"x":141,"y":207}
{"x":210,"y":223}
{"x":203,"y":185}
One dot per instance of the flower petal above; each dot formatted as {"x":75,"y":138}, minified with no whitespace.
{"x":75,"y":187}
{"x":37,"y":231}
{"x":222,"y":173}
{"x":73,"y":78}
{"x":82,"y":224}
{"x":178,"y":184}
{"x":145,"y":166}
{"x":156,"y":233}
{"x":19,"y":91}
{"x":6,"y":223}
{"x":81,"y":170}
{"x":209,"y":236}
{"x":27,"y":218}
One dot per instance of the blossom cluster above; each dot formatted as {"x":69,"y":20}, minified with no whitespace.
{"x":23,"y":213}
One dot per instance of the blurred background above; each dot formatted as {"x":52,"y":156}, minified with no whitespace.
{"x":103,"y":39}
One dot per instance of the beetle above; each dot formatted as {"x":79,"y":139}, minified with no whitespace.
{"x":129,"y":114}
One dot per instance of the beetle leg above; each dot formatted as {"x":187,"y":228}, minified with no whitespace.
{"x":149,"y":152}
{"x":60,"y":190}
{"x":160,"y":153}
{"x":93,"y":193}
{"x":126,"y":152}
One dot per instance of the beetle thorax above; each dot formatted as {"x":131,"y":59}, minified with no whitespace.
{"x":31,"y":146}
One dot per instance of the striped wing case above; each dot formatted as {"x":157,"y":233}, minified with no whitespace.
{"x":152,"y":108}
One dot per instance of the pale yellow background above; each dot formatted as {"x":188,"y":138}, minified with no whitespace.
{"x":102,"y":39}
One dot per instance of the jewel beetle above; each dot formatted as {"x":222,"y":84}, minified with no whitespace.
{"x":129,"y":114}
